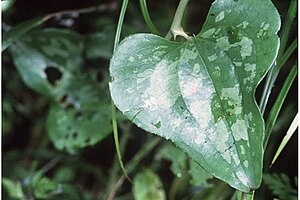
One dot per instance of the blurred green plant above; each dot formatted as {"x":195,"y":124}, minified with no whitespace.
{"x":280,"y":185}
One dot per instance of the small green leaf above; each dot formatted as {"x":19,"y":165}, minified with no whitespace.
{"x":16,"y":32}
{"x":286,"y":138}
{"x":13,"y":188}
{"x":201,"y":92}
{"x":43,"y":187}
{"x":147,"y":186}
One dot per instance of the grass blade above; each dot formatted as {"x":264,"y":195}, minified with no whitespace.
{"x":288,"y":53}
{"x":147,"y":18}
{"x":274,"y":71}
{"x":286,"y":138}
{"x":278,"y":103}
{"x":16,"y":32}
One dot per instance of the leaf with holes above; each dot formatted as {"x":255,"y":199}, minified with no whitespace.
{"x":48,"y":59}
{"x":200,"y":93}
{"x":50,"y":62}
{"x":72,"y":130}
{"x":82,"y":119}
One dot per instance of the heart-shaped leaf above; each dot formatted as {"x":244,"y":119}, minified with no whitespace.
{"x":200,"y":94}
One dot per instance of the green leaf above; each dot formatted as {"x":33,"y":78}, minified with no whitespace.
{"x":47,"y":60}
{"x":200,"y":93}
{"x":99,"y":45}
{"x":179,"y":165}
{"x":64,"y":174}
{"x":14,"y":189}
{"x":43,"y":187}
{"x":280,"y":186}
{"x":16,"y":32}
{"x":81,"y":119}
{"x":293,"y":127}
{"x":50,"y":62}
{"x":147,"y":186}
{"x":199,"y":176}
{"x":73,"y":129}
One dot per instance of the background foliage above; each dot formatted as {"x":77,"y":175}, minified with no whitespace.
{"x":56,"y":129}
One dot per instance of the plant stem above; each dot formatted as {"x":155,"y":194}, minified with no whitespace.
{"x":278,"y":103}
{"x":176,"y":28}
{"x":147,"y":18}
{"x":113,"y":174}
{"x":50,"y":164}
{"x":244,"y":196}
{"x":113,"y":107}
{"x":274,"y":71}
{"x":120,"y":24}
{"x":101,"y":7}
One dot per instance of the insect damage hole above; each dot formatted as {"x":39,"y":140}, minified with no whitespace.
{"x":74,"y":135}
{"x":112,"y":79}
{"x":53,"y":75}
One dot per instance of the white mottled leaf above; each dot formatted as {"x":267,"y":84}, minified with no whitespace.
{"x":200,"y":93}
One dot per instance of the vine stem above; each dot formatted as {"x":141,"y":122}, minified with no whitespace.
{"x":147,"y":17}
{"x":279,"y":102}
{"x":244,"y":196}
{"x":176,"y":28}
{"x":113,"y":107}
